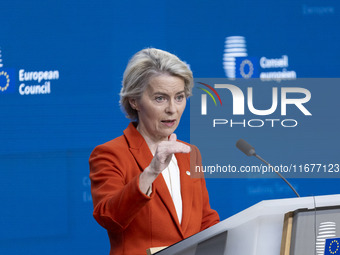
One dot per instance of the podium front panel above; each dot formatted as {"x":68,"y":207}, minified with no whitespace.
{"x":312,"y":227}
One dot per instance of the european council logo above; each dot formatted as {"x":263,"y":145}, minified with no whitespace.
{"x":247,"y":67}
{"x":6,"y":81}
{"x":332,"y":246}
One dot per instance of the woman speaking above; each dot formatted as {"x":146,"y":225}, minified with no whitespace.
{"x":141,"y":186}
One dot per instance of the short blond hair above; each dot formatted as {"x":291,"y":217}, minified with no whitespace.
{"x":145,"y":65}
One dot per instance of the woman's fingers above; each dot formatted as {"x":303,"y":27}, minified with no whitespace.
{"x":167,"y":148}
{"x":164,"y":153}
{"x":173,"y":137}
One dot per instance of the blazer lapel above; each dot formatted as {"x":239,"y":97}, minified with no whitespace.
{"x":164,"y":194}
{"x":141,"y":152}
{"x":138,"y":147}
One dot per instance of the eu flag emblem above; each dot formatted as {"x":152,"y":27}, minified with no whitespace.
{"x":6,"y":80}
{"x":332,"y":246}
{"x":247,"y":67}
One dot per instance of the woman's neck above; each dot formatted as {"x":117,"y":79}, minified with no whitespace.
{"x":152,"y":142}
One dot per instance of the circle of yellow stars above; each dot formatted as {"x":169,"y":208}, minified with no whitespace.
{"x":336,"y":244}
{"x":5,"y":74}
{"x":251,"y":69}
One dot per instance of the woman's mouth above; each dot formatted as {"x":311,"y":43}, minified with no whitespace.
{"x":169,"y":123}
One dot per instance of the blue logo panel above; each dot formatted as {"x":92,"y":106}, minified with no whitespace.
{"x":7,"y":81}
{"x":332,"y":246}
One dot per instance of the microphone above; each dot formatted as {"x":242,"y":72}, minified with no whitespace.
{"x":249,"y":150}
{"x":245,"y":147}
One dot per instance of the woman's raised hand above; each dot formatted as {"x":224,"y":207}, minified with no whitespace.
{"x":161,"y":160}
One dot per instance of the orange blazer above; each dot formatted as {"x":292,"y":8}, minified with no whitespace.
{"x":134,"y":221}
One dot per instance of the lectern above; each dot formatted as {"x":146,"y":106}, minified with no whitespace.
{"x":296,"y":226}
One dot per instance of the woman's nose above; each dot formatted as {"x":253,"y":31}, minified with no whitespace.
{"x":171,"y":108}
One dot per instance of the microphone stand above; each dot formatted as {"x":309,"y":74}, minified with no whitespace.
{"x":277,"y":173}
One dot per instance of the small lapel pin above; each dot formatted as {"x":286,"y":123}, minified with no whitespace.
{"x":188,"y":173}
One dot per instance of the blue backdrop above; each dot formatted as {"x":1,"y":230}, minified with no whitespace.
{"x":61,"y":66}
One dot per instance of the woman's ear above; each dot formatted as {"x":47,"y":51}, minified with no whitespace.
{"x":133,"y":104}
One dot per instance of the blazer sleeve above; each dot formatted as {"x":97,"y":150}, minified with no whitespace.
{"x":116,"y":198}
{"x":210,"y":217}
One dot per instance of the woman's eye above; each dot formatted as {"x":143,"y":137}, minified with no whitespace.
{"x":180,"y":98}
{"x":160,"y":99}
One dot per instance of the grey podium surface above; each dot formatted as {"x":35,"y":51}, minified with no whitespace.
{"x":254,"y":231}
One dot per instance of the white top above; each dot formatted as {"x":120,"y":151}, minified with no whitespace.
{"x":172,"y":179}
